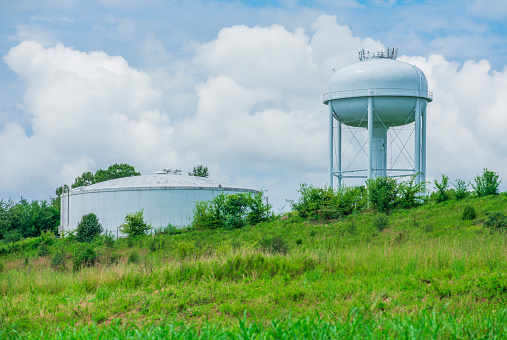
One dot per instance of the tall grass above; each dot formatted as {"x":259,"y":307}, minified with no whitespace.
{"x":428,"y":272}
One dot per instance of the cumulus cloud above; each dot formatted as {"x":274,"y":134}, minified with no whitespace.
{"x":256,"y":117}
{"x":87,"y":109}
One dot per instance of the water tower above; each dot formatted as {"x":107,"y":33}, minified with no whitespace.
{"x":378,"y":93}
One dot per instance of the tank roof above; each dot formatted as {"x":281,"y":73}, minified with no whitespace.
{"x":158,"y":181}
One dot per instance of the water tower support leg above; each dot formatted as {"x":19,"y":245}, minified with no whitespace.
{"x":417,"y":156}
{"x":339,"y":153}
{"x":423,"y":152}
{"x":370,"y":134}
{"x":331,"y":165}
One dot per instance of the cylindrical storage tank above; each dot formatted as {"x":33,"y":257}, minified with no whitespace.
{"x":165,"y":198}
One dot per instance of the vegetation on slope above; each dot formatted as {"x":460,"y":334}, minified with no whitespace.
{"x":435,"y":270}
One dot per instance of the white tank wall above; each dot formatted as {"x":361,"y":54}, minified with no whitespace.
{"x":395,"y":111}
{"x":161,"y":206}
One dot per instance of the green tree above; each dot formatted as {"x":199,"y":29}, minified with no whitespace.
{"x":199,"y":171}
{"x":460,"y":189}
{"x":382,"y":193}
{"x":134,"y":224}
{"x":87,"y":178}
{"x":115,"y":171}
{"x":486,"y":184}
{"x":442,"y":193}
{"x":88,"y":228}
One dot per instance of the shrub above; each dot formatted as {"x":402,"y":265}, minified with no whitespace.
{"x":409,"y":194}
{"x":230,"y":211}
{"x":13,"y":236}
{"x":107,"y":239}
{"x":134,"y":257}
{"x":58,"y":261}
{"x":468,"y":213}
{"x":496,"y":221}
{"x":460,"y":189}
{"x":88,"y":228}
{"x":326,"y":203}
{"x":274,"y":245}
{"x":486,"y":184}
{"x":43,"y":250}
{"x":442,"y":193}
{"x":382,"y":192}
{"x":380,"y":222}
{"x":84,"y":256}
{"x":185,"y":249}
{"x":135,"y":225}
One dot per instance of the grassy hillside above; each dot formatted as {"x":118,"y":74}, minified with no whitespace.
{"x":423,"y":273}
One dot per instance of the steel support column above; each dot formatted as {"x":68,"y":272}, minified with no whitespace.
{"x":417,"y":155}
{"x":370,"y":134}
{"x":331,"y":123}
{"x":423,"y":151}
{"x":339,"y":153}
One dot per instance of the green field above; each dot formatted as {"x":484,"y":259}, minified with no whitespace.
{"x":428,"y":274}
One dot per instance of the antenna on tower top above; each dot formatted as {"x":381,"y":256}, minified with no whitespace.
{"x":389,"y":53}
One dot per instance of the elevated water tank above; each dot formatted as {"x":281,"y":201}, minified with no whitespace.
{"x":377,"y":93}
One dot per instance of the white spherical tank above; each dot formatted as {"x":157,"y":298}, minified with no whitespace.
{"x":393,"y":84}
{"x":165,"y":198}
{"x":378,"y":93}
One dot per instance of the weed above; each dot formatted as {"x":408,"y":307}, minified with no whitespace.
{"x":134,"y":257}
{"x":468,"y":213}
{"x":274,"y":245}
{"x":58,"y":261}
{"x":84,"y":256}
{"x":43,"y":250}
{"x":380,"y":222}
{"x":496,"y":221}
{"x":185,"y":249}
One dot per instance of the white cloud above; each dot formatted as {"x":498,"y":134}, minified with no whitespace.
{"x":89,"y":109}
{"x":248,"y":105}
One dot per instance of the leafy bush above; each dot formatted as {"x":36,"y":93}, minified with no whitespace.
{"x":43,"y":250}
{"x":468,"y":213}
{"x":185,"y":249}
{"x":385,"y":194}
{"x":58,"y":261}
{"x":442,"y":193}
{"x":84,"y":256}
{"x":13,"y":236}
{"x":409,"y":194}
{"x":460,"y":189}
{"x":135,"y":225}
{"x":88,"y":228}
{"x":230,"y":211}
{"x":496,"y":221}
{"x":382,"y":193}
{"x":486,"y":184}
{"x":274,"y":245}
{"x":134,"y":257}
{"x":380,"y":222}
{"x":326,"y":203}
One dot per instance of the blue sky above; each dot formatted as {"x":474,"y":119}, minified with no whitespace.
{"x":182,"y":50}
